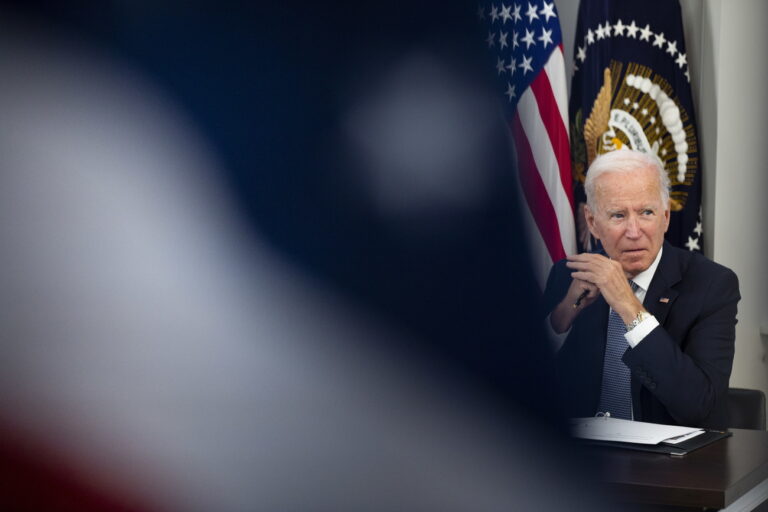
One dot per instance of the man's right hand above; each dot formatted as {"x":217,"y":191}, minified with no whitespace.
{"x":566,"y":312}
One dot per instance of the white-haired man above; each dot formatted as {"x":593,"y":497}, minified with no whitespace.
{"x":650,"y":327}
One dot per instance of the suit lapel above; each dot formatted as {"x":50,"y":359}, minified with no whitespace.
{"x":660,"y":295}
{"x":658,"y":301}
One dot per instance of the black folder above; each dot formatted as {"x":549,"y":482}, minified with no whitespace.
{"x":675,"y":450}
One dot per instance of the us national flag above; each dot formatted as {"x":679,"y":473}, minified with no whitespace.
{"x":526,"y":41}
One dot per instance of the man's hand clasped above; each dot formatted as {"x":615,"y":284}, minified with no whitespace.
{"x":596,"y":275}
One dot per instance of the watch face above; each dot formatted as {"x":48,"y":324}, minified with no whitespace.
{"x":639,"y":318}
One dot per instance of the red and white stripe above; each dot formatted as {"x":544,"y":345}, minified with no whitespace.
{"x":540,"y":131}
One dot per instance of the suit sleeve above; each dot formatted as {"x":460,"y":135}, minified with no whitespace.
{"x":557,"y":286}
{"x":690,"y":376}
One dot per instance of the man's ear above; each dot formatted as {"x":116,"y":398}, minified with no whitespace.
{"x":589,"y":215}
{"x":667,"y":214}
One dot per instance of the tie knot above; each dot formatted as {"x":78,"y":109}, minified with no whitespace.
{"x":633,"y":285}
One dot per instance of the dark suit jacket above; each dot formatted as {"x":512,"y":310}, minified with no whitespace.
{"x":680,"y":371}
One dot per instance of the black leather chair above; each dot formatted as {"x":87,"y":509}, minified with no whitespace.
{"x":747,"y":408}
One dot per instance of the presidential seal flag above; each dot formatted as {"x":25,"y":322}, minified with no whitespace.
{"x":631,"y":89}
{"x":526,"y":42}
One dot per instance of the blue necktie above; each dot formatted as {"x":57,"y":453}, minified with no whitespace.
{"x":616,"y":395}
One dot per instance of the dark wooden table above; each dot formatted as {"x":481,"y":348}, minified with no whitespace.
{"x":712,"y":477}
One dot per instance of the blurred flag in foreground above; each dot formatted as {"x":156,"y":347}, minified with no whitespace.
{"x":253,"y":259}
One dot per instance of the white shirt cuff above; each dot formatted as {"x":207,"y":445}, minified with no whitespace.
{"x":641,"y":330}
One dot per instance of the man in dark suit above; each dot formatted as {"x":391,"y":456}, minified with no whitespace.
{"x":649,"y":328}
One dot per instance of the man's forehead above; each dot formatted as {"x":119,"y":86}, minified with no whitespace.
{"x":635,"y":182}
{"x":637,"y":173}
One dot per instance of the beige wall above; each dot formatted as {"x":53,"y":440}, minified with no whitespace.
{"x":733,"y":109}
{"x":727,"y":44}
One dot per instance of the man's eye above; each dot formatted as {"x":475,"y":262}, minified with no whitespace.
{"x":617,"y":215}
{"x":647,"y":212}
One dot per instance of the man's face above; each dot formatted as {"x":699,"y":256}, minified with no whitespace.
{"x":630,"y":220}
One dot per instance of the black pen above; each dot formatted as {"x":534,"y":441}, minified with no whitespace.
{"x":581,"y":297}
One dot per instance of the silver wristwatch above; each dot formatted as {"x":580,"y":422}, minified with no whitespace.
{"x":639,"y":318}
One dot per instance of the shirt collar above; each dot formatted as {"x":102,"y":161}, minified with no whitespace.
{"x":644,"y":278}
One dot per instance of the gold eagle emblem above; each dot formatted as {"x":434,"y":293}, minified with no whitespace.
{"x":597,"y":122}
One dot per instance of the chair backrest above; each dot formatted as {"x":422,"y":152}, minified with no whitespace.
{"x":747,"y":408}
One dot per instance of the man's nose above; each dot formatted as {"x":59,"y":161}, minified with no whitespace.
{"x":633,"y":227}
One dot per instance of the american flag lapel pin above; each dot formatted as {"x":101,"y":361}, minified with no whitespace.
{"x":664,"y":300}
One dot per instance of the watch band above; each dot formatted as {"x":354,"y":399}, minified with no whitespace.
{"x":639,"y":318}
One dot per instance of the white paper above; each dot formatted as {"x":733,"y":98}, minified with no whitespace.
{"x":680,"y":439}
{"x":626,"y":431}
